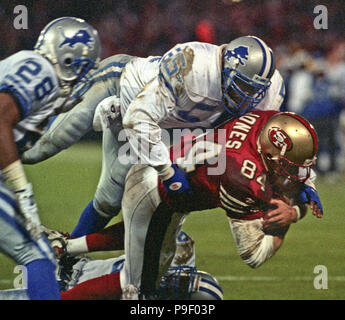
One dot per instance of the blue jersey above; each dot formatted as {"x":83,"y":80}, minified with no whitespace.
{"x":32,"y":82}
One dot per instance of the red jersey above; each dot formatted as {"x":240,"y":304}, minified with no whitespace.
{"x":225,"y":168}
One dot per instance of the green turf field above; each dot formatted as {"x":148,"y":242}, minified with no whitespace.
{"x":64,"y":185}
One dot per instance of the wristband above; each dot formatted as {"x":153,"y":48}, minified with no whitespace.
{"x":15,"y":174}
{"x":298,"y":211}
{"x":166,"y":173}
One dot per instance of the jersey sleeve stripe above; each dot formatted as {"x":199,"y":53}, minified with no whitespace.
{"x":168,"y":85}
{"x":17,"y":83}
{"x":111,"y":70}
{"x":231,"y":198}
{"x":228,"y":207}
{"x":229,"y":202}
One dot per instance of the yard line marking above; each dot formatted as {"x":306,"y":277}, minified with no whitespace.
{"x":245,"y":278}
{"x":6,"y":281}
{"x":268,"y":278}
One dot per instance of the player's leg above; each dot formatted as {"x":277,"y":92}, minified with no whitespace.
{"x":108,"y":239}
{"x":36,"y":255}
{"x":140,"y":200}
{"x":95,"y":215}
{"x":106,"y":203}
{"x":14,"y":294}
{"x":105,"y":287}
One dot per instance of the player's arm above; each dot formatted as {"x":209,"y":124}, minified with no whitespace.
{"x":66,"y":129}
{"x":269,"y":234}
{"x":258,"y":241}
{"x":283,"y":214}
{"x":108,"y":239}
{"x":309,"y":196}
{"x":10,"y":164}
{"x":243,"y":183}
{"x":254,"y":245}
{"x":9,"y":116}
{"x":141,"y":123}
{"x":293,"y":206}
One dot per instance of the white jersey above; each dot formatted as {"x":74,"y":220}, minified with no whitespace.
{"x":33,"y":83}
{"x":180,"y":90}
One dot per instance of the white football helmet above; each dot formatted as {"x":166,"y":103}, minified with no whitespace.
{"x":72,"y":46}
{"x":248,"y":65}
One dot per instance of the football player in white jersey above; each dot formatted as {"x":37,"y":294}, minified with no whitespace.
{"x":35,"y":85}
{"x":193,"y":85}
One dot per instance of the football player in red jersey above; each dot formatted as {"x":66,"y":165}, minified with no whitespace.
{"x":255,"y":167}
{"x":246,"y":163}
{"x":257,"y":162}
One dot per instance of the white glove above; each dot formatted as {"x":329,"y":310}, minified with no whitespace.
{"x":130,"y":292}
{"x":28,"y":208}
{"x":106,"y":112}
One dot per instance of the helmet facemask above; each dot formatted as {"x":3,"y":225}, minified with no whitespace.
{"x":80,"y":67}
{"x":187,"y":283}
{"x":176,"y":285}
{"x":247,"y":68}
{"x":240,"y":93}
{"x":286,"y":172}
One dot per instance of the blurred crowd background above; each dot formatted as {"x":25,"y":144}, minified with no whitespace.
{"x":312,"y":61}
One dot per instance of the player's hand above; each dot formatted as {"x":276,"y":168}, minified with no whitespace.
{"x":178,"y":188}
{"x":279,"y":217}
{"x":106,"y":112}
{"x":28,"y":208}
{"x":310,"y":196}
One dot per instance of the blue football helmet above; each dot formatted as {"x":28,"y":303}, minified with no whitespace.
{"x":248,"y":65}
{"x":187,"y":283}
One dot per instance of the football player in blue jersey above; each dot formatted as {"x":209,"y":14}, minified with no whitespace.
{"x":35,"y":85}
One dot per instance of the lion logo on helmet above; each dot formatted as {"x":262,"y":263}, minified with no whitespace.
{"x":82,"y":36}
{"x":240,"y":53}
